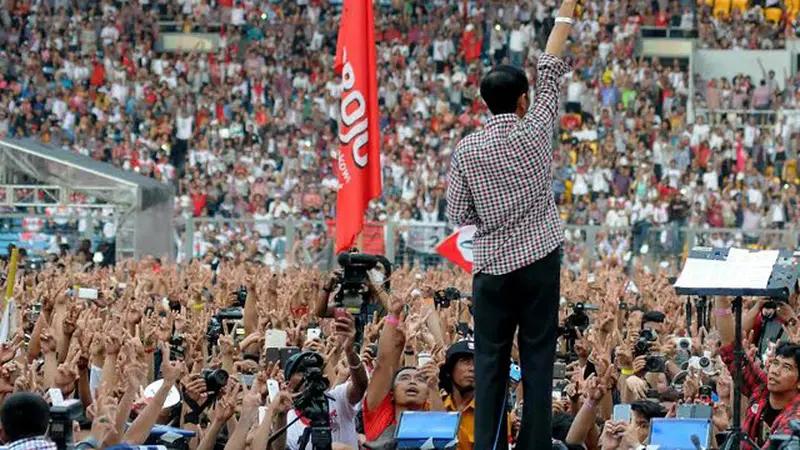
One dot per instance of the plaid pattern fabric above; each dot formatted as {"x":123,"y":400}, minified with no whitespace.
{"x":754,"y":386}
{"x":34,"y":443}
{"x":500,"y":181}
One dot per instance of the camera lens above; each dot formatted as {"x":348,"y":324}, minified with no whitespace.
{"x":215,"y":379}
{"x":685,"y":344}
{"x":704,"y":362}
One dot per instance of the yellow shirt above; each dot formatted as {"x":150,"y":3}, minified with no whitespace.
{"x":466,"y":428}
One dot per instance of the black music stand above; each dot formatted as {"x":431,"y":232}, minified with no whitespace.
{"x":719,"y":271}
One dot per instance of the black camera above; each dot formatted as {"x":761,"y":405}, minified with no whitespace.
{"x":61,"y":418}
{"x":655,"y":364}
{"x":443,"y":298}
{"x":241,"y":296}
{"x":642,"y":345}
{"x":312,"y":402}
{"x":770,"y":304}
{"x":215,"y":379}
{"x":579,"y":319}
{"x":353,"y":293}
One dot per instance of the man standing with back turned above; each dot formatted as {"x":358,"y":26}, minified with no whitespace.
{"x":500,"y":181}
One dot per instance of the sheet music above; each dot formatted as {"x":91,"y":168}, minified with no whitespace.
{"x":737,"y":274}
{"x":760,"y":258}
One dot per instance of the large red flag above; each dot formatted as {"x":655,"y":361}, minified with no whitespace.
{"x":358,"y":164}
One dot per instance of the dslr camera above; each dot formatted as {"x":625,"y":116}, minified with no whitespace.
{"x":653,"y":363}
{"x":215,"y":379}
{"x":353,"y":293}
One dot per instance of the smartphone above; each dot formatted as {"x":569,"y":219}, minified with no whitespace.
{"x":312,"y":334}
{"x":275,"y":339}
{"x":56,"y":396}
{"x":239,"y":335}
{"x":622,"y":413}
{"x":286,"y":353}
{"x":272,"y":355}
{"x":273,"y":389}
{"x":516,"y":373}
{"x":559,"y":371}
{"x":702,"y":411}
{"x":556,"y":396}
{"x":87,"y":294}
{"x":685,"y":412}
{"x":423,"y":358}
{"x":339,"y":313}
{"x":247,"y":379}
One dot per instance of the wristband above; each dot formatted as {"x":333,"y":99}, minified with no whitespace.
{"x":589,"y":404}
{"x":627,"y":372}
{"x":392,"y":320}
{"x":722,"y":312}
{"x":565,"y":20}
{"x":150,"y":350}
{"x":357,"y":366}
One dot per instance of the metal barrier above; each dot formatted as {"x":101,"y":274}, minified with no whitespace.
{"x":43,"y":234}
{"x":310,"y":243}
{"x":668,"y":33}
{"x":738,"y":118}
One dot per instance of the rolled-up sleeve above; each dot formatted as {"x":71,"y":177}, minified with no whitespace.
{"x":460,"y":204}
{"x":753,"y":377}
{"x":538,"y":124}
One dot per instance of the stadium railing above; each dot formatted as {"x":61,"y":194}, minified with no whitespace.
{"x":300,"y":242}
{"x":738,"y":118}
{"x":668,"y":32}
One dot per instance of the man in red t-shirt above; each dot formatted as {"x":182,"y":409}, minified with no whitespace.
{"x":391,"y":393}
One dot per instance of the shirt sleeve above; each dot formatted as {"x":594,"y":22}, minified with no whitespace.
{"x":339,"y":394}
{"x":754,"y":379}
{"x":460,"y":207}
{"x":538,"y":124}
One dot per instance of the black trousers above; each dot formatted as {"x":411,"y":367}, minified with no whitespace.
{"x":527,"y":298}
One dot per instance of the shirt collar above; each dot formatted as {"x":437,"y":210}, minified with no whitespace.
{"x":502,"y":120}
{"x":450,"y":404}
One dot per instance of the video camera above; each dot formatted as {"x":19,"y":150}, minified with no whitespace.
{"x":442,"y":298}
{"x":61,"y":418}
{"x":353,"y":293}
{"x":578,"y":320}
{"x":313,"y":402}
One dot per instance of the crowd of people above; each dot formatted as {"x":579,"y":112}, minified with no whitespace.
{"x":234,"y":346}
{"x":248,"y":130}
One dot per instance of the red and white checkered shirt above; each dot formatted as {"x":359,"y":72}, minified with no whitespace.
{"x":500,"y":181}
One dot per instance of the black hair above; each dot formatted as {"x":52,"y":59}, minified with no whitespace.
{"x":562,"y":422}
{"x":502,"y":88}
{"x":654,"y":316}
{"x":397,"y":372}
{"x":24,"y":415}
{"x":789,"y":350}
{"x":649,"y":409}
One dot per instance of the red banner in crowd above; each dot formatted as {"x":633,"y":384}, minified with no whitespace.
{"x":358,"y":161}
{"x":372,"y":239}
{"x":457,"y":248}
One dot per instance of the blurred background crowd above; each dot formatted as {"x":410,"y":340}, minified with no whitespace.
{"x":247,"y":130}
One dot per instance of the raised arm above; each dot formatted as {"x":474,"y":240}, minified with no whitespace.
{"x":460,"y":205}
{"x":539,"y":123}
{"x":753,"y":377}
{"x":389,"y":350}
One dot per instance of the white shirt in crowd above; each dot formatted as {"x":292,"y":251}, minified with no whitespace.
{"x":184,"y":125}
{"x":343,"y":426}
